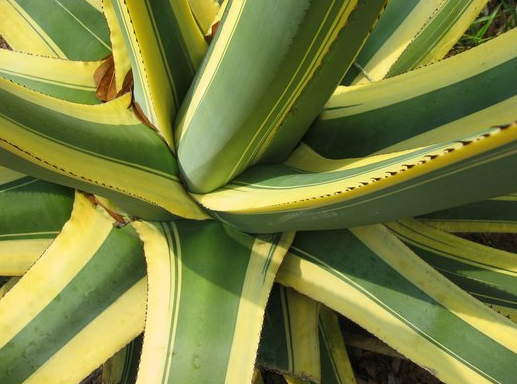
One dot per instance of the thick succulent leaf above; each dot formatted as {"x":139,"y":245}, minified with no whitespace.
{"x":32,"y":212}
{"x":371,"y":277}
{"x":205,"y":13}
{"x":486,"y":273}
{"x":74,"y":312}
{"x":67,"y":80}
{"x":411,"y":34}
{"x":208,"y":289}
{"x":289,"y":342}
{"x":68,"y":29}
{"x":269,"y":70}
{"x":497,"y":215}
{"x":335,"y":364}
{"x":165,"y":48}
{"x":299,"y":341}
{"x":458,"y":96}
{"x":102,"y":149}
{"x":309,"y":192}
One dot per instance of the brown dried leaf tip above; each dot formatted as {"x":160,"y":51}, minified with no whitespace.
{"x":105,"y":80}
{"x":210,"y":36}
{"x":120,"y":221}
{"x":104,"y":77}
{"x":141,"y":115}
{"x":127,"y":85}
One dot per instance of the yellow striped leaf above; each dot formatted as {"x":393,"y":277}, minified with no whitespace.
{"x":433,"y":104}
{"x":68,"y":29}
{"x":67,"y":80}
{"x":311,"y":192}
{"x":335,"y":364}
{"x":254,"y":96}
{"x":208,"y":289}
{"x":32,"y":213}
{"x":486,"y":273}
{"x":102,"y":149}
{"x":165,"y":48}
{"x":77,"y":311}
{"x":369,"y":276}
{"x":412,"y":33}
{"x":289,"y":343}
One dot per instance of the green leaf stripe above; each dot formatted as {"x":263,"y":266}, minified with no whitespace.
{"x":22,"y":198}
{"x":288,"y":91}
{"x":65,"y":316}
{"x":345,"y":257}
{"x":96,"y":152}
{"x":32,"y":212}
{"x":199,"y":272}
{"x":289,"y":341}
{"x":435,"y":36}
{"x":173,"y":50}
{"x":86,"y":36}
{"x":275,"y":349}
{"x":165,"y":48}
{"x":66,"y":80}
{"x":467,"y":264}
{"x":495,"y":215}
{"x":335,"y":364}
{"x":139,"y":74}
{"x":411,"y":34}
{"x":343,"y":203}
{"x":436,"y":102}
{"x":91,"y":284}
{"x":63,"y":90}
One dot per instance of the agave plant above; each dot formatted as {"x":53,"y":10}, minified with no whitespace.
{"x":153,"y":182}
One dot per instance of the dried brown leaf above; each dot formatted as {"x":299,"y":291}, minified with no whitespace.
{"x":127,"y":85}
{"x":141,"y":116}
{"x":210,"y":36}
{"x":107,"y":88}
{"x":105,"y":79}
{"x":119,"y":219}
{"x":101,"y":71}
